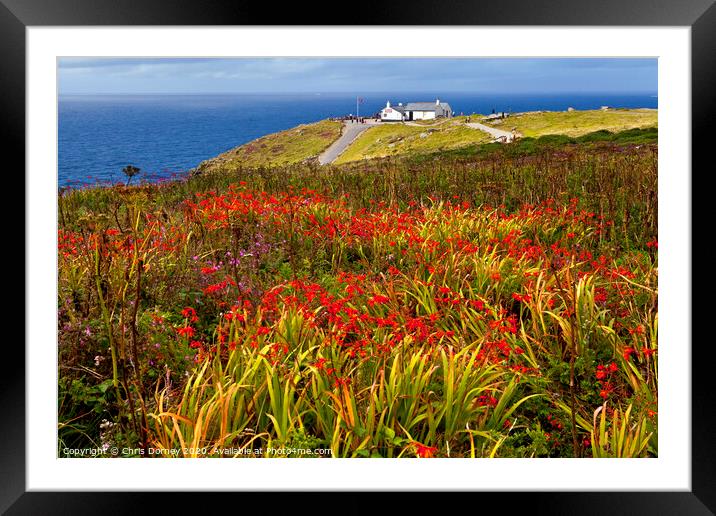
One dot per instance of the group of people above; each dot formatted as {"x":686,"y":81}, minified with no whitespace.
{"x":356,"y":119}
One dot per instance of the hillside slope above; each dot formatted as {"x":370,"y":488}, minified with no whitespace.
{"x":306,"y":142}
{"x":577,"y":123}
{"x":395,"y":139}
{"x":301,"y":143}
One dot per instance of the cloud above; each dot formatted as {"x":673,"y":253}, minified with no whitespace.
{"x":287,"y":74}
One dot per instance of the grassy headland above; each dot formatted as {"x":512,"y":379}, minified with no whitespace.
{"x":295,"y":145}
{"x":577,"y":123}
{"x":427,"y":137}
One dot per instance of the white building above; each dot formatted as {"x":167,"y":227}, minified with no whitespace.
{"x":416,"y":111}
{"x":427,"y":110}
{"x":392,"y":114}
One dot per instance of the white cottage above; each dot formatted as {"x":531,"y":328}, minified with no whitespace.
{"x":427,"y":110}
{"x":416,"y":111}
{"x":392,"y":114}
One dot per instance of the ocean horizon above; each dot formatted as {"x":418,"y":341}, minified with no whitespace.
{"x":165,"y":135}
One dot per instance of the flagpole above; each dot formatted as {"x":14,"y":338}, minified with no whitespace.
{"x":357,"y":107}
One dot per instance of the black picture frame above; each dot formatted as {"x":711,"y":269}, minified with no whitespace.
{"x":700,"y":15}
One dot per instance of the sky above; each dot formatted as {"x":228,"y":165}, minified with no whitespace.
{"x":78,"y":75}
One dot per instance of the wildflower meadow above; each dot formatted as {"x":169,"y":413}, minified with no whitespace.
{"x":493,"y":305}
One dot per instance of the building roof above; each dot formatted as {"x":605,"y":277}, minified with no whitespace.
{"x":420,"y":106}
{"x":426,"y":106}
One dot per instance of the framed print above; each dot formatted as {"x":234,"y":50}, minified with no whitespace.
{"x":432,"y":254}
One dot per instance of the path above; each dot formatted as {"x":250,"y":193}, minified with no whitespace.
{"x":499,"y":134}
{"x":351,"y":131}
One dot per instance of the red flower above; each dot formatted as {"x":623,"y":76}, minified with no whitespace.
{"x":639,"y":330}
{"x":186,"y":331}
{"x":190,"y":313}
{"x":525,"y":298}
{"x":424,"y":452}
{"x":341,"y":381}
{"x":477,"y":304}
{"x":600,"y":295}
{"x":212,"y":289}
{"x":378,"y":300}
{"x":486,"y":400}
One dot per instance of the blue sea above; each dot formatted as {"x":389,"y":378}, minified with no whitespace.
{"x":166,"y":135}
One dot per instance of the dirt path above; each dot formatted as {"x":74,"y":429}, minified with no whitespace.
{"x":351,"y":131}
{"x":499,"y":134}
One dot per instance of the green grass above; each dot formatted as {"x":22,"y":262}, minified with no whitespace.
{"x":597,"y":141}
{"x":295,"y":145}
{"x":578,"y":123}
{"x":398,"y":139}
{"x":432,"y":137}
{"x":433,"y":122}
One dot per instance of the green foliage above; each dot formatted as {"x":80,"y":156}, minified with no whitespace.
{"x":255,"y":268}
{"x":82,"y":405}
{"x":620,"y":435}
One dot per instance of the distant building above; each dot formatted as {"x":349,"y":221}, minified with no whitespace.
{"x":416,"y":111}
{"x":427,"y":110}
{"x":392,"y":114}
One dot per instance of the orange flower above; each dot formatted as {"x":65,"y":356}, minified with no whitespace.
{"x":424,"y":452}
